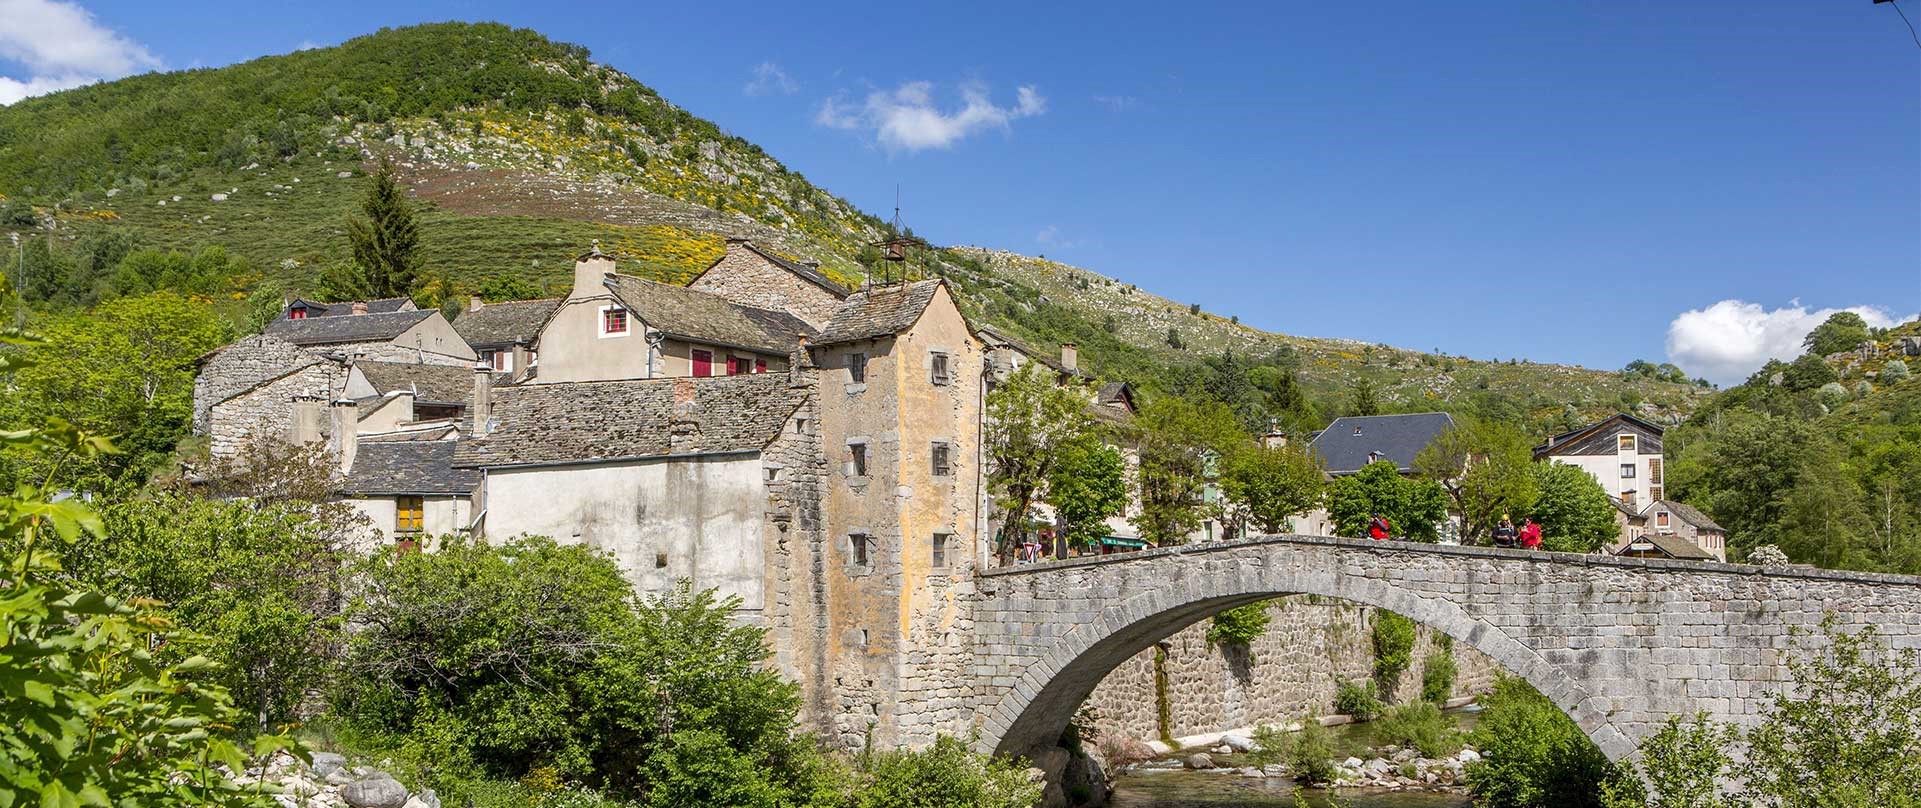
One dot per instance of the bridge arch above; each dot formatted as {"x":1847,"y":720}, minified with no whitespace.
{"x":1031,"y":713}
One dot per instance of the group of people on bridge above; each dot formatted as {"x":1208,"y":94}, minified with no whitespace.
{"x":1527,"y":537}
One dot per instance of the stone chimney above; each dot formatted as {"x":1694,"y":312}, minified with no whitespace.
{"x":474,"y":303}
{"x":360,"y":307}
{"x":589,"y":270}
{"x":306,"y":420}
{"x":482,"y":407}
{"x":407,"y":398}
{"x":523,"y":362}
{"x":1070,"y":357}
{"x":346,"y":441}
{"x":683,"y":430}
{"x":1275,"y":438}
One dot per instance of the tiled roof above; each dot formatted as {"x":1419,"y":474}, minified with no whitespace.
{"x":878,"y":312}
{"x":346,"y":307}
{"x":1573,"y":435}
{"x":810,"y":274}
{"x":1689,"y":514}
{"x":518,"y":321}
{"x":350,"y":328}
{"x":435,"y":384}
{"x":1395,"y":437}
{"x":1671,"y":546}
{"x":697,"y":316}
{"x":572,"y":422}
{"x":407,"y":467}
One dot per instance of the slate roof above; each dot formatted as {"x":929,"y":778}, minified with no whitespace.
{"x":810,"y":274}
{"x":431,"y":384}
{"x":878,"y":312}
{"x":351,"y":328}
{"x":1116,"y":393}
{"x":501,"y":324}
{"x":697,"y":316}
{"x":1560,"y":443}
{"x":1671,"y":546}
{"x":574,"y":422}
{"x":346,"y":307}
{"x":1689,"y":514}
{"x":1396,"y":437}
{"x":408,"y":467}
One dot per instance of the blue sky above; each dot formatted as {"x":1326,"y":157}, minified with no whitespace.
{"x":1579,"y":182}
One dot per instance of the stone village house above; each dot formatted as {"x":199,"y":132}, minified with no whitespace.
{"x":1624,"y":454}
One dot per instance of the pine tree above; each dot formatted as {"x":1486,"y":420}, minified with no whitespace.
{"x":386,"y":242}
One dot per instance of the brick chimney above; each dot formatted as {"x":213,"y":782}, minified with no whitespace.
{"x":589,"y":270}
{"x":482,"y":407}
{"x":360,"y":307}
{"x":346,"y":440}
{"x":1070,"y":357}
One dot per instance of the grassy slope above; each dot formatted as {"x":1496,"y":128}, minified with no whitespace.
{"x":515,"y":188}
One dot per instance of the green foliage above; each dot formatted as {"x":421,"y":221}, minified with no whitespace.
{"x":1087,"y":485}
{"x":1393,"y":645}
{"x":1358,"y":699}
{"x":1174,"y":340}
{"x":1534,"y":753}
{"x":1414,"y":506}
{"x":1843,"y":331}
{"x":1308,"y":756}
{"x":1808,"y":372}
{"x":205,"y":272}
{"x":1178,"y":439}
{"x":1031,"y":420}
{"x":1847,"y":733}
{"x":1363,"y":398}
{"x":1438,"y":671}
{"x":1240,"y":625}
{"x":1894,"y":371}
{"x":1421,"y":725}
{"x":1270,"y":745}
{"x":1574,"y":512}
{"x":1833,"y":395}
{"x":386,"y":244}
{"x":1486,"y":469}
{"x":124,"y":369}
{"x":1665,"y":372}
{"x":503,"y":288}
{"x":1680,"y":766}
{"x":945,"y":775}
{"x":90,"y":714}
{"x":1265,"y":486}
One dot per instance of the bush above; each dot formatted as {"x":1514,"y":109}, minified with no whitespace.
{"x":1421,"y":725}
{"x":1358,"y":700}
{"x":1240,"y":625}
{"x":1271,"y":745}
{"x":944,"y":775}
{"x":1535,"y":755}
{"x":1308,"y":755}
{"x":1437,"y":677}
{"x":1393,"y":646}
{"x":1681,"y":766}
{"x":1833,"y":395}
{"x":1894,"y":371}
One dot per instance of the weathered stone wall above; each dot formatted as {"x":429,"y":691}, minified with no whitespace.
{"x":1312,"y":644}
{"x":1619,"y":644}
{"x":266,"y":411}
{"x":745,"y":277}
{"x":796,"y":550}
{"x":396,"y":352}
{"x":240,"y":366}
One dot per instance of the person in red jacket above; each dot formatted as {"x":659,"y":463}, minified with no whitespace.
{"x":1378,"y":528}
{"x":1531,"y":535}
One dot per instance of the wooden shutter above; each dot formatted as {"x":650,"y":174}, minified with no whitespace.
{"x":703,"y":363}
{"x":760,"y":366}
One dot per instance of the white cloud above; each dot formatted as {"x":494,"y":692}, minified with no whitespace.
{"x":1117,"y":103}
{"x":1730,"y":340}
{"x":769,"y":78}
{"x":1050,"y":236}
{"x":62,"y":46}
{"x":907,"y":118}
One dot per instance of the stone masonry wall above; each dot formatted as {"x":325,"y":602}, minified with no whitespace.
{"x":797,"y":556}
{"x":744,"y":277}
{"x":240,"y":366}
{"x":267,"y":411}
{"x":1312,"y":644}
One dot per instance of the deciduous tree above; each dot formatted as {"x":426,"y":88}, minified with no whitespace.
{"x":1485,"y":468}
{"x":1031,"y":420}
{"x":1415,"y":507}
{"x":1266,"y":486}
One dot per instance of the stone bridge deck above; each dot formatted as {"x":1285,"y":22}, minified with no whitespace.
{"x":1618,"y":643}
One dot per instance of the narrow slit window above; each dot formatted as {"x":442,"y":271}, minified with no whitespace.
{"x":940,"y":550}
{"x":857,"y":367}
{"x":858,"y":543}
{"x":941,"y":463}
{"x":858,"y":456}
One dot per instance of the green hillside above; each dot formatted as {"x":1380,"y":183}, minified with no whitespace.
{"x":521,"y":151}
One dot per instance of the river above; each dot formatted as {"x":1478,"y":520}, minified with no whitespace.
{"x":1149,"y":786}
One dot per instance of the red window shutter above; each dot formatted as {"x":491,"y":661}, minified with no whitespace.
{"x":760,"y":366}
{"x":736,"y":366}
{"x":703,"y":363}
{"x":297,"y":314}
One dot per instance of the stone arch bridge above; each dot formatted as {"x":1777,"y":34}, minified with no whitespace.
{"x":1617,"y":643}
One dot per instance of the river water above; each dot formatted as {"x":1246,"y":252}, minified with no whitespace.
{"x":1153,"y":787}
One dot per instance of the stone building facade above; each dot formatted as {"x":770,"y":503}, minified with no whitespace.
{"x":754,"y":277}
{"x":268,"y":409}
{"x":240,"y":367}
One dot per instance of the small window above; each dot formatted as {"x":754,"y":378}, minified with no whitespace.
{"x":857,"y":367}
{"x":858,"y":543}
{"x":941,"y":466}
{"x":937,"y":368}
{"x":1661,"y":519}
{"x":1357,"y":432}
{"x":773,"y":474}
{"x":940,"y":550}
{"x":1627,"y":471}
{"x":858,"y":453}
{"x":800,"y":426}
{"x":703,"y":363}
{"x":409,"y":514}
{"x":613,"y":320}
{"x":1627,"y":443}
{"x":660,"y":561}
{"x":500,"y":361}
{"x":1627,"y":499}
{"x":1654,"y":493}
{"x":737,"y":365}
{"x":297,"y":313}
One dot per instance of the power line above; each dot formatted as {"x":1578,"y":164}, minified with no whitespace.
{"x":1904,"y":18}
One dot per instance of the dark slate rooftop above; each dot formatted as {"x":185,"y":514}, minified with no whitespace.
{"x":1571,"y":436}
{"x":1673,"y":547}
{"x":501,"y":324}
{"x":1690,"y":514}
{"x":346,"y":307}
{"x":810,"y":274}
{"x":697,"y":316}
{"x":1396,"y":437}
{"x":431,"y":384}
{"x":395,"y":468}
{"x":573,"y":422}
{"x":878,"y":312}
{"x":350,"y":328}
